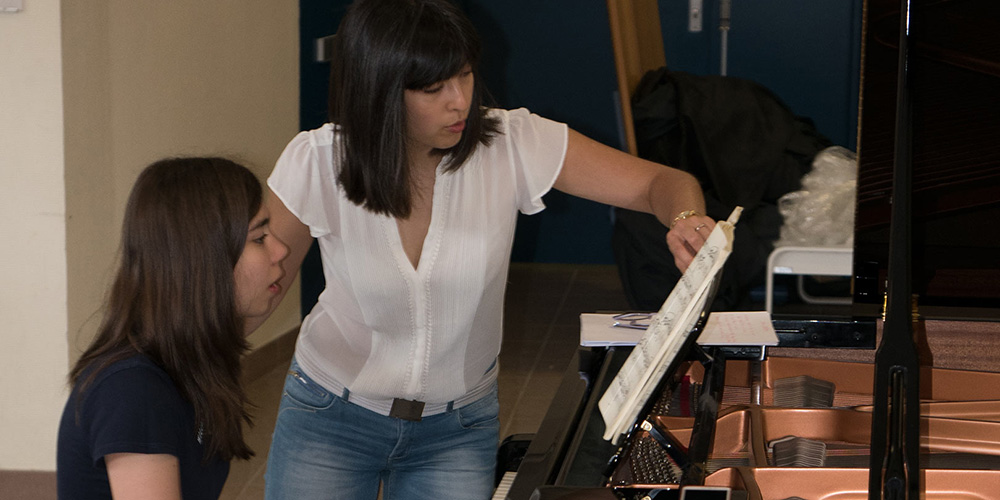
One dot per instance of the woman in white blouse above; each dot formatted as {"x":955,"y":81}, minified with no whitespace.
{"x":412,"y":191}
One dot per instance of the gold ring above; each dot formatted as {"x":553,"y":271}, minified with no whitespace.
{"x":700,"y":226}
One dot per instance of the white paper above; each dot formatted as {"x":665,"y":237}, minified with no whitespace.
{"x":600,"y":330}
{"x":737,"y":328}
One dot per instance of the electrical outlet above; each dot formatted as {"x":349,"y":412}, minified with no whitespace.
{"x":695,"y":16}
{"x":11,"y":6}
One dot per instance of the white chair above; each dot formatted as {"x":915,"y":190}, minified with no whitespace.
{"x":808,"y":261}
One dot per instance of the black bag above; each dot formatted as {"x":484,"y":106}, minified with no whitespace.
{"x":744,"y":146}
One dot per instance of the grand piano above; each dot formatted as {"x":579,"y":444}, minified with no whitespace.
{"x":898,"y":396}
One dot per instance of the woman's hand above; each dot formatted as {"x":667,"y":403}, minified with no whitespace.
{"x":687,"y":236}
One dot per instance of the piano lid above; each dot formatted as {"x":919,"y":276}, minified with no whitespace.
{"x":956,"y":156}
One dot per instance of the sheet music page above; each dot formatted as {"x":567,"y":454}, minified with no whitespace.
{"x":666,"y":334}
{"x":656,"y":369}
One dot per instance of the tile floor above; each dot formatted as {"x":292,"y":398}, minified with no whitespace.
{"x":541,"y":333}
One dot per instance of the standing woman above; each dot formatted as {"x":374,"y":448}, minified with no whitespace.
{"x":157,"y":410}
{"x":413,"y":191}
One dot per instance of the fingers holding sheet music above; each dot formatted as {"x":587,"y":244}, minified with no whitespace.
{"x":687,"y":236}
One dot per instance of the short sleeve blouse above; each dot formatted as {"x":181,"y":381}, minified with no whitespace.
{"x":385,"y":329}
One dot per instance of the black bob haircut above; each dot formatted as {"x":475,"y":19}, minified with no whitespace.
{"x":382,"y":48}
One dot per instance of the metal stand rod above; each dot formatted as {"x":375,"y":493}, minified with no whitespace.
{"x":895,"y":467}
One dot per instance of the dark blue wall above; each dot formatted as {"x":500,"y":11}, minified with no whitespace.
{"x":554,"y":57}
{"x":317,"y":19}
{"x":808,"y":53}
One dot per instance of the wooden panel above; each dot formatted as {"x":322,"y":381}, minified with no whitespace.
{"x":638,"y":47}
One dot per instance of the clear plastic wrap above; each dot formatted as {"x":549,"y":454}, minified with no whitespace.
{"x":822,"y":212}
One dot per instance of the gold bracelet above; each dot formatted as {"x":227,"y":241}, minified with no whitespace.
{"x":681,"y":216}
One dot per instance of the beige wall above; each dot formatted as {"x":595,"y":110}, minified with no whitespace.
{"x":32,"y":220}
{"x":140,"y":80}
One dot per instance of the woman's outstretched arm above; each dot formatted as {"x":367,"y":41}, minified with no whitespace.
{"x":597,"y":172}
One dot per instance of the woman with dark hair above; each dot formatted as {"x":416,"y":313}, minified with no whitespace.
{"x":157,"y":409}
{"x":412,"y":192}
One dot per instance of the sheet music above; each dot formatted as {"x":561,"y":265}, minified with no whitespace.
{"x":666,"y":334}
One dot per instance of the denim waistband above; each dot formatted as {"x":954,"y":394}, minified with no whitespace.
{"x":383,"y":406}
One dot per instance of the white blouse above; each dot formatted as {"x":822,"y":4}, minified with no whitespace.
{"x":384,"y":329}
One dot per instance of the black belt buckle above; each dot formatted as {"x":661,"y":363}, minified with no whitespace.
{"x":404,"y":409}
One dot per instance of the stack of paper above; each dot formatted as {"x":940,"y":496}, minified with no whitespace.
{"x":727,"y":328}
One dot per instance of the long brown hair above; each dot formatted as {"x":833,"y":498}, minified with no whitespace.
{"x":173,"y":297}
{"x":382,"y":48}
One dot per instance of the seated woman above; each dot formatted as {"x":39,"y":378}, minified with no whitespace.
{"x":157,"y":410}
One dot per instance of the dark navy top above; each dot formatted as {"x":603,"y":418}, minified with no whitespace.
{"x":131,"y":406}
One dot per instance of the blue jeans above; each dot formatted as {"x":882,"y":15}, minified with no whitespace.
{"x":324,"y":447}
